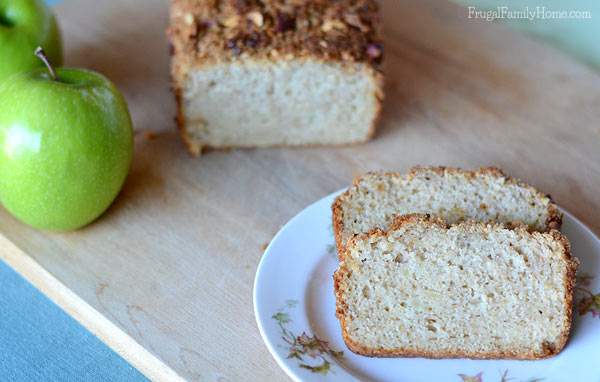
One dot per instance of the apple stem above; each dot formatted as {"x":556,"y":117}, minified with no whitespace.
{"x":39,"y":52}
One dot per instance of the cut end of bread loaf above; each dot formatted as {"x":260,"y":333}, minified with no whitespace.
{"x":263,"y":103}
{"x":471,"y":290}
{"x":486,"y":195}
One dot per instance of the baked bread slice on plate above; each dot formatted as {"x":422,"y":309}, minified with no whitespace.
{"x":275,"y":72}
{"x":471,"y":290}
{"x":486,"y":195}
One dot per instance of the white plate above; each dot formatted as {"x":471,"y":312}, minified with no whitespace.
{"x":293,"y":294}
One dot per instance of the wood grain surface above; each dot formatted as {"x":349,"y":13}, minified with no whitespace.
{"x":173,"y":260}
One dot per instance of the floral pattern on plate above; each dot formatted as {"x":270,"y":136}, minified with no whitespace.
{"x":587,"y":301}
{"x":504,"y":377}
{"x":312,"y":352}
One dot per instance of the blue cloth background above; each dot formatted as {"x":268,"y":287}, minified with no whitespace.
{"x":40,"y":342}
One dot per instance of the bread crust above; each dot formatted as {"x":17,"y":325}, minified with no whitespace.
{"x":205,"y":33}
{"x":548,"y":351}
{"x":553,"y":221}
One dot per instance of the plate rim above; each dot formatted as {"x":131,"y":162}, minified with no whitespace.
{"x":259,"y":270}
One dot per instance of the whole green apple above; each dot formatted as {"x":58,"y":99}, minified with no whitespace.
{"x":65,"y":146}
{"x":25,"y":25}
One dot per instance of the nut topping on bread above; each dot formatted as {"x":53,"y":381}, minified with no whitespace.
{"x":226,"y":29}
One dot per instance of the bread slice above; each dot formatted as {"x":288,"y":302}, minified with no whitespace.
{"x":471,"y":290}
{"x":455,"y":195}
{"x":275,"y":72}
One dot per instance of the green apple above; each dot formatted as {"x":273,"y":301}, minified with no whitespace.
{"x":25,"y":25}
{"x":66,"y":145}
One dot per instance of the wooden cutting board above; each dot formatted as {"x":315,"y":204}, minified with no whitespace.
{"x":170,"y":266}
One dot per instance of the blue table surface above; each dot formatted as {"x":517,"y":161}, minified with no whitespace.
{"x":40,"y":342}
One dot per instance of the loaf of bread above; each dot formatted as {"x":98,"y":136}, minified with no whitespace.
{"x":249,"y":73}
{"x":471,"y":290}
{"x":455,"y":195}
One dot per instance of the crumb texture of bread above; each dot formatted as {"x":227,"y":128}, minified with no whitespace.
{"x":285,"y":103}
{"x":455,"y":195}
{"x":470,"y":290}
{"x":275,"y":72}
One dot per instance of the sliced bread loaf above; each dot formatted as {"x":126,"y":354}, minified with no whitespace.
{"x":453,"y":194}
{"x":470,"y":290}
